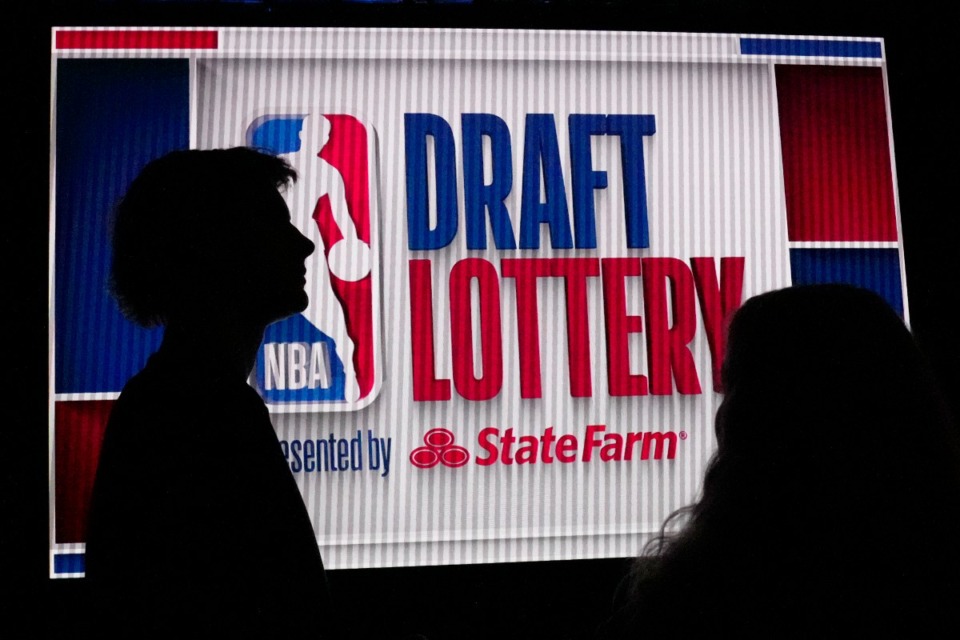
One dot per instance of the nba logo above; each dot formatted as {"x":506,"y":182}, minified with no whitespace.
{"x":328,"y":357}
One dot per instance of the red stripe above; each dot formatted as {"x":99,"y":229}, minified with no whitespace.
{"x":79,"y":429}
{"x":152,"y":39}
{"x":836,"y":153}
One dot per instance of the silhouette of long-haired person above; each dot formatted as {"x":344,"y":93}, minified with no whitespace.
{"x":196,"y":522}
{"x":348,"y":259}
{"x":832,"y":505}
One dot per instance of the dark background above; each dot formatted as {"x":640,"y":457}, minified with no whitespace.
{"x":550,"y":599}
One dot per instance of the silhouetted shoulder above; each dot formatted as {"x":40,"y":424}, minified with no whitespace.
{"x":196,"y":521}
{"x":196,"y":514}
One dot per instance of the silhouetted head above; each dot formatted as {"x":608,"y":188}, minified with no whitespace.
{"x":204,"y":233}
{"x":833,"y":499}
{"x":824,"y":392}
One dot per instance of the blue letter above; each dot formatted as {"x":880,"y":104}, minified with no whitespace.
{"x":540,"y":150}
{"x":296,"y":465}
{"x":477,"y":196}
{"x":631,"y":129}
{"x":585,"y":179}
{"x":417,"y":126}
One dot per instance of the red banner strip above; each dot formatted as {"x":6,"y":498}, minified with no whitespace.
{"x":123,"y":39}
{"x":836,"y":153}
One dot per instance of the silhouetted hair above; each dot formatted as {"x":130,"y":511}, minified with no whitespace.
{"x":175,"y":213}
{"x":832,"y":504}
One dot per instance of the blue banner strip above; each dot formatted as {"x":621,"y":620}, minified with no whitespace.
{"x":113,"y":116}
{"x":874,"y":269}
{"x":69,"y":563}
{"x":827,"y":48}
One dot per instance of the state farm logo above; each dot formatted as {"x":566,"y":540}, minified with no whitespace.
{"x":506,"y":447}
{"x":439,"y":449}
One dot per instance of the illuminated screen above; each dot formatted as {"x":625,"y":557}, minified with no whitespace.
{"x":528,"y":245}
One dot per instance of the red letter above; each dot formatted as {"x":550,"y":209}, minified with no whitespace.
{"x":656,"y":438}
{"x":718,"y":301}
{"x":461,"y":329}
{"x":619,"y":326}
{"x":546,"y":441}
{"x":632,"y":439}
{"x":590,"y":441}
{"x":575,"y":272}
{"x":566,"y":447}
{"x":484,"y":441}
{"x":667,"y":347}
{"x":524,"y":271}
{"x":507,"y":440}
{"x":426,"y":386}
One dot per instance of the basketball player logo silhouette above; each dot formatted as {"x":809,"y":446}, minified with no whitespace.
{"x":346,"y":258}
{"x":333,"y":204}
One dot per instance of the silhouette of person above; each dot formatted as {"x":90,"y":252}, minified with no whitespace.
{"x":196,"y":522}
{"x":348,"y":259}
{"x":832,"y":504}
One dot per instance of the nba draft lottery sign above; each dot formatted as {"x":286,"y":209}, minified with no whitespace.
{"x":528,"y":245}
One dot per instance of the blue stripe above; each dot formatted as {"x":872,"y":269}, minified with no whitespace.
{"x":874,"y":269}
{"x":113,"y":116}
{"x":828,"y":48}
{"x":69,"y":563}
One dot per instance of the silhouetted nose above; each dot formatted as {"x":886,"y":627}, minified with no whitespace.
{"x":306,"y":245}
